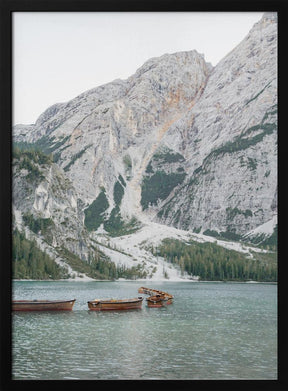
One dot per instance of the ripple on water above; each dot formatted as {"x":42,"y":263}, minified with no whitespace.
{"x":212,"y":331}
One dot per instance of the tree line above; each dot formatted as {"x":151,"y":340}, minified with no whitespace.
{"x":29,"y":262}
{"x":31,"y":160}
{"x":212,"y":262}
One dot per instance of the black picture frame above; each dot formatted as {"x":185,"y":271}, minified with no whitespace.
{"x":10,"y":6}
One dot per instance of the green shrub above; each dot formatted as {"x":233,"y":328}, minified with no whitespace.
{"x":94,"y":214}
{"x":38,"y":224}
{"x":159,"y":186}
{"x":232,"y":212}
{"x":168,"y":157}
{"x":118,"y":193}
{"x":31,"y":160}
{"x":75,"y":157}
{"x":259,"y":93}
{"x":98,"y":265}
{"x":116,"y":226}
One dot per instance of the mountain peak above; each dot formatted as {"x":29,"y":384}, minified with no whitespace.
{"x":175,"y":144}
{"x":272,"y":16}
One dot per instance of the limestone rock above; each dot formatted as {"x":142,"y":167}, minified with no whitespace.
{"x":178,"y":143}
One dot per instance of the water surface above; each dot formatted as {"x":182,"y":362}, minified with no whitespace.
{"x":211,"y":331}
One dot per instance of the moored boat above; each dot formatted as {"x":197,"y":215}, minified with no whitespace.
{"x":155,"y":301}
{"x":115,"y":304}
{"x":168,"y":298}
{"x":43,"y":305}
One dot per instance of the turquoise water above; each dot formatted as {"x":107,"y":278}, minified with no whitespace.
{"x":211,"y":331}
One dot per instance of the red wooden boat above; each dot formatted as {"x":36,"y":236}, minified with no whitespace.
{"x":42,"y":305}
{"x":115,"y":304}
{"x":155,"y":301}
{"x":168,"y":298}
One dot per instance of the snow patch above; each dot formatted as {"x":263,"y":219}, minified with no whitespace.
{"x":131,"y":250}
{"x":266,"y":228}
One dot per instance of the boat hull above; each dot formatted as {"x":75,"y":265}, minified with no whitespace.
{"x":164,"y":295}
{"x":155,"y":301}
{"x":43,"y":305}
{"x":115,"y":305}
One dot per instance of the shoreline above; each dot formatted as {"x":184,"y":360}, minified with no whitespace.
{"x":148,"y":281}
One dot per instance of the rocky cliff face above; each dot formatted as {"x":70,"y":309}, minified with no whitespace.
{"x":45,"y":200}
{"x":179,"y":143}
{"x":230,"y":144}
{"x":115,"y":128}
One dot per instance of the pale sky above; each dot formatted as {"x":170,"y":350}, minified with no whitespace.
{"x":59,"y":55}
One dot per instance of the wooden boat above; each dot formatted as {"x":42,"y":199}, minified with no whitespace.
{"x":155,"y":301}
{"x":115,"y":304}
{"x":148,"y":291}
{"x":42,"y":305}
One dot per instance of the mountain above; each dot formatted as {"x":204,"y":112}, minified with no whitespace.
{"x":231,"y":144}
{"x":179,"y":148}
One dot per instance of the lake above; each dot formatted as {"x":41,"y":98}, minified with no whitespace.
{"x":211,"y":331}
